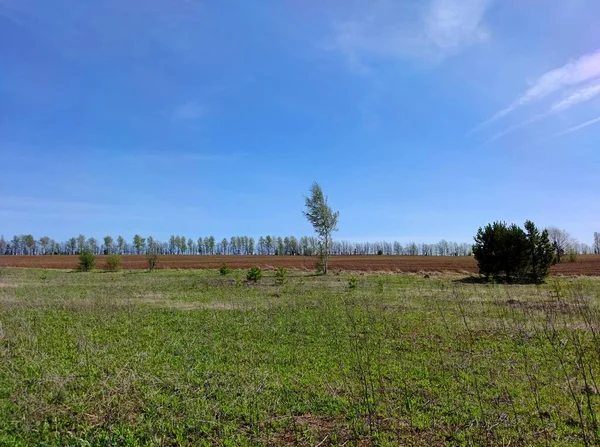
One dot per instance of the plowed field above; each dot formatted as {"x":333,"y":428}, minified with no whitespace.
{"x":588,"y":265}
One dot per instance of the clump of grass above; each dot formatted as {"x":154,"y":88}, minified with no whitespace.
{"x":353,"y":282}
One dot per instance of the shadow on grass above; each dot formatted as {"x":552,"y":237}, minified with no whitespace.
{"x":473,"y":279}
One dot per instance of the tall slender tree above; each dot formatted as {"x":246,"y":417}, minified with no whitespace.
{"x":108,"y":244}
{"x":323,"y":219}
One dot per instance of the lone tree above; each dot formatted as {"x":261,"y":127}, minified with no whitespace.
{"x":540,"y":252}
{"x":87,"y":260}
{"x":323,"y":219}
{"x":561,"y":240}
{"x":507,"y":250}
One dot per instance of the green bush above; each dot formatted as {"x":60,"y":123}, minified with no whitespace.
{"x":320,"y":265}
{"x":353,"y":282}
{"x":224,"y":270}
{"x":507,"y":250}
{"x":281,"y":275}
{"x":152,"y":260}
{"x":87,"y":260}
{"x":572,"y":256}
{"x":254,"y":274}
{"x":113,"y":262}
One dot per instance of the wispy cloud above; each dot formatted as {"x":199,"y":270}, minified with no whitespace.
{"x":451,"y":24}
{"x":189,"y":111}
{"x":576,"y":128}
{"x":432,"y":30}
{"x":515,"y":127}
{"x":576,"y":72}
{"x":580,"y":96}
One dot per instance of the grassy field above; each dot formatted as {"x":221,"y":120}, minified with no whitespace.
{"x":194,"y":358}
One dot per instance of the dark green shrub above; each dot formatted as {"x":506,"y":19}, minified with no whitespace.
{"x":254,"y":274}
{"x":353,"y":282}
{"x":281,"y":275}
{"x":87,"y":260}
{"x":113,"y":262}
{"x":508,"y":251}
{"x":224,"y":270}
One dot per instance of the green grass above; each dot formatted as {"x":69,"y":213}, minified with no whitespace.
{"x":196,"y":358}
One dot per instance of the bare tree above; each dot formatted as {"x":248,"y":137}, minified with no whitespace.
{"x":80,"y":243}
{"x":108,"y":244}
{"x":121,"y":244}
{"x":93,"y":245}
{"x":562,"y":241}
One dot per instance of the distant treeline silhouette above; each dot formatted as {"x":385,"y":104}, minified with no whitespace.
{"x":237,"y":245}
{"x":27,"y":244}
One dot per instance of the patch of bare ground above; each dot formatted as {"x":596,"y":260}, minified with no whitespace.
{"x":312,"y":430}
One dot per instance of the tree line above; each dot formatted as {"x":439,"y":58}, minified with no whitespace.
{"x":27,"y":244}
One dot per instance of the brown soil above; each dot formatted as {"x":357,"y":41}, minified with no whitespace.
{"x":588,"y":265}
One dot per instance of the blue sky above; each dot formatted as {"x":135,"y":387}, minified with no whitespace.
{"x":421,"y":119}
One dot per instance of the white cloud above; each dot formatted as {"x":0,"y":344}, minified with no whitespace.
{"x":389,"y":29}
{"x":451,"y":24}
{"x":576,"y":72}
{"x":580,"y":96}
{"x":576,"y":128}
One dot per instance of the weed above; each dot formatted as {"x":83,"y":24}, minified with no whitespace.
{"x":353,"y":282}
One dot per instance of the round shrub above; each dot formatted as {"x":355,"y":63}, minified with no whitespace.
{"x":113,"y":262}
{"x":87,"y":260}
{"x":224,"y":270}
{"x":254,"y":274}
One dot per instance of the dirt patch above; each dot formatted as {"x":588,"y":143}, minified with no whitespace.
{"x":308,"y":430}
{"x":585,"y":265}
